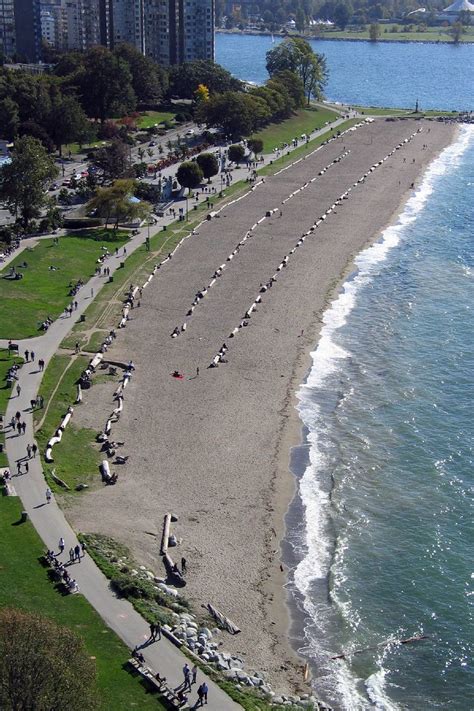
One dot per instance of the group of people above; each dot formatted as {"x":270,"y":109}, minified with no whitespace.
{"x":17,"y":424}
{"x":61,"y":570}
{"x":190,"y":678}
{"x":74,"y":288}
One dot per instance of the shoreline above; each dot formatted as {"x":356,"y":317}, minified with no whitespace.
{"x":201,"y":447}
{"x":321,"y":38}
{"x":293,"y":435}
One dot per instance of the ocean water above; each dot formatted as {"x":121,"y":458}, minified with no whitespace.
{"x":380,"y":538}
{"x":394,"y":74}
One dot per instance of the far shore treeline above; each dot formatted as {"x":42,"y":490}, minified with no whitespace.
{"x":80,"y":98}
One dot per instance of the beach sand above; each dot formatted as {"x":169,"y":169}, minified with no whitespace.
{"x":214,"y":449}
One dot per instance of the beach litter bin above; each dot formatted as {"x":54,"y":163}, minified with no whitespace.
{"x":82,"y":318}
{"x":24,"y":516}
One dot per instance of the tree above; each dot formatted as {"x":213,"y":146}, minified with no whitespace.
{"x":113,"y":161}
{"x":208,"y":164}
{"x":456,"y":32}
{"x":118,"y":201}
{"x":300,"y":19}
{"x":189,"y":174}
{"x":9,"y":118}
{"x":43,"y":666}
{"x":105,"y":85}
{"x":201,"y":94}
{"x":236,"y":153}
{"x":67,"y":122}
{"x":341,"y":15}
{"x":149,"y":80}
{"x":295,"y":55}
{"x":23,"y":181}
{"x":236,"y":113}
{"x":374,"y":31}
{"x":293,"y":85}
{"x":255,"y":145}
{"x":185,"y":79}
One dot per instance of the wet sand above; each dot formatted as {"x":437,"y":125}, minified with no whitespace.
{"x":214,"y":449}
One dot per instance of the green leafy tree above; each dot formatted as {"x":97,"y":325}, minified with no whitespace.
{"x":118,"y":202}
{"x":374,"y":32}
{"x":43,"y":666}
{"x":292,"y":84}
{"x":236,"y":153}
{"x":300,"y":19}
{"x":9,"y":118}
{"x":255,"y":145}
{"x":149,"y":80}
{"x":23,"y":182}
{"x":186,"y":78}
{"x":113,"y":161}
{"x":67,"y":122}
{"x":189,"y":175}
{"x":236,"y":113}
{"x":456,"y":32}
{"x":208,"y":164}
{"x":342,"y":15}
{"x":105,"y":85}
{"x":295,"y":55}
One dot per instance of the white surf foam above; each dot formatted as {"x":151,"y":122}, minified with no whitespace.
{"x":327,"y":359}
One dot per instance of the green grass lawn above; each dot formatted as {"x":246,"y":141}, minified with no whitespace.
{"x":68,"y":466}
{"x":6,"y":361}
{"x":24,"y":584}
{"x":304,"y":121}
{"x":43,"y":292}
{"x":432,"y":34}
{"x":302,"y":150}
{"x":150,"y":118}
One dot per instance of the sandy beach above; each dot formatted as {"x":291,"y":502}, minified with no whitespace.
{"x":214,"y":448}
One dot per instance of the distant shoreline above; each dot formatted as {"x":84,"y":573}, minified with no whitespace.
{"x":255,"y":33}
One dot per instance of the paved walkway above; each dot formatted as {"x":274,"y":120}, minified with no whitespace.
{"x":49,"y":520}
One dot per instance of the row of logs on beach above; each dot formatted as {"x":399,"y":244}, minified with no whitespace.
{"x":220,"y":356}
{"x":250,"y":233}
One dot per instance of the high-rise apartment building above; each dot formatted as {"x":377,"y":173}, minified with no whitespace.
{"x":7,"y":28}
{"x":168,"y":31}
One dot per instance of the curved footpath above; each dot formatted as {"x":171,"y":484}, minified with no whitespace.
{"x":50,"y":521}
{"x":51,"y":524}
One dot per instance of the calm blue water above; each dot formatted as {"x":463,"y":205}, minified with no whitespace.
{"x":384,"y":545}
{"x":371,"y":74}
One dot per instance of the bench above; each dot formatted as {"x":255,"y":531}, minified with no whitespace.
{"x":157,"y":683}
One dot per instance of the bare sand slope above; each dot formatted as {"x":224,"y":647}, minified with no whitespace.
{"x":214,"y":449}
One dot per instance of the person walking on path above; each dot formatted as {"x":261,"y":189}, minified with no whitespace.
{"x":194,"y":672}
{"x":77,"y":552}
{"x":200,"y":700}
{"x":18,"y":467}
{"x":18,"y":389}
{"x":27,"y":467}
{"x":27,"y":355}
{"x":23,"y":427}
{"x":183,"y":566}
{"x":92,"y":293}
{"x":71,"y":555}
{"x":62,"y":545}
{"x":83,"y":548}
{"x":34,"y":449}
{"x":187,"y":677}
{"x":205,"y":690}
{"x":49,"y":495}
{"x":32,"y":356}
{"x":19,"y":427}
{"x":28,"y":450}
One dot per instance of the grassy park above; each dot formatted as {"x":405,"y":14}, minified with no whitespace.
{"x":304,"y":121}
{"x":25,"y":303}
{"x":150,"y":118}
{"x":25,"y":584}
{"x":399,"y":33}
